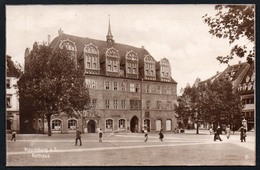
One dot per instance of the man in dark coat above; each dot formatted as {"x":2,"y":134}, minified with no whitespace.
{"x":161,"y":135}
{"x":78,"y":137}
{"x":217,"y":133}
{"x":242,"y":130}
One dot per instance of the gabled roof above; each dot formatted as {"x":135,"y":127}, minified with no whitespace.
{"x":11,"y":71}
{"x":247,"y":84}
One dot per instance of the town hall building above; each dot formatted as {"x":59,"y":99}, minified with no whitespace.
{"x":129,"y":90}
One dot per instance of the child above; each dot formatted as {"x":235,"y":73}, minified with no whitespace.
{"x":13,"y":136}
{"x":161,"y":135}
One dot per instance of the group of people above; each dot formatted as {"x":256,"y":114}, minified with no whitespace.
{"x":242,"y":131}
{"x":161,"y":136}
{"x":78,"y":136}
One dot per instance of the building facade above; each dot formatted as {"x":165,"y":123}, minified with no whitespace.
{"x":130,"y":91}
{"x":12,"y":102}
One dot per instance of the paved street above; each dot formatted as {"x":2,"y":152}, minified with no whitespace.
{"x":130,"y":149}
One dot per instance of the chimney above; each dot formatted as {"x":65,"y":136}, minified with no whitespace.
{"x":49,"y":39}
{"x":142,"y":47}
{"x":60,"y":32}
{"x":239,"y":62}
{"x":217,"y":72}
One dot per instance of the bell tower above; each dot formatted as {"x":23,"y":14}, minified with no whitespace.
{"x":109,"y":34}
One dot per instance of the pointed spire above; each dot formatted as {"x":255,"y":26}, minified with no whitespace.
{"x":109,"y":34}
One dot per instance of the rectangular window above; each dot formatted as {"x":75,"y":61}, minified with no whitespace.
{"x":94,"y":84}
{"x":148,"y":103}
{"x":137,"y":88}
{"x":152,"y":73}
{"x":115,"y":68}
{"x":159,"y":89}
{"x":107,"y":104}
{"x":168,"y":90}
{"x":8,"y":83}
{"x":94,"y":103}
{"x":132,"y":87}
{"x":135,"y":104}
{"x":148,"y":88}
{"x":163,"y":90}
{"x":134,"y":70}
{"x":115,"y":104}
{"x":123,"y":85}
{"x":115,"y":85}
{"x":159,"y":105}
{"x":107,"y":85}
{"x":94,"y":65}
{"x":88,"y":64}
{"x":123,"y":104}
{"x":128,"y":69}
{"x":88,"y":83}
{"x":169,"y":105}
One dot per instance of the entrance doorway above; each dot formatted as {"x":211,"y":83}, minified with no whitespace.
{"x":91,"y":126}
{"x":147,"y":125}
{"x":134,"y":124}
{"x":158,"y":125}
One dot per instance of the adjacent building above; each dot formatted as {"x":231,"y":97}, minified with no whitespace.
{"x":12,"y":102}
{"x":130,"y":91}
{"x":242,"y":76}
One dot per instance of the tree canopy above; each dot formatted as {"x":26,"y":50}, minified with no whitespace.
{"x":51,"y":83}
{"x":210,"y":102}
{"x":236,"y":23}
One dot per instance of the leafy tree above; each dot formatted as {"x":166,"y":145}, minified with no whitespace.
{"x":235,"y":22}
{"x":225,"y":104}
{"x":51,"y":83}
{"x":211,"y":103}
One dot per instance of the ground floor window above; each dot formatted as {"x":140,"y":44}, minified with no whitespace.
{"x":109,"y":124}
{"x":122,"y":123}
{"x":56,"y":125}
{"x":72,"y":124}
{"x":158,"y":125}
{"x":168,"y":125}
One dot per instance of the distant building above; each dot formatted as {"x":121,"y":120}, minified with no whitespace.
{"x":12,"y":103}
{"x":130,"y":90}
{"x":242,"y":76}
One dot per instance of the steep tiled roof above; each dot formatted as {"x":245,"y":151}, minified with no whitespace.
{"x":10,"y":68}
{"x":247,"y":84}
{"x":102,"y":47}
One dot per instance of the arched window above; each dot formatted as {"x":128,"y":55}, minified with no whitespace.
{"x":71,"y":47}
{"x":168,"y":125}
{"x":56,"y":124}
{"x":109,"y":124}
{"x":149,"y":63}
{"x":72,"y":124}
{"x":121,"y":123}
{"x":91,"y":56}
{"x":40,"y":123}
{"x":131,"y":63}
{"x":165,"y":70}
{"x":112,"y":60}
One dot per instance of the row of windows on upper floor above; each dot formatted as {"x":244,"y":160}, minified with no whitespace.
{"x":131,"y":104}
{"x":91,"y":58}
{"x":129,"y":87}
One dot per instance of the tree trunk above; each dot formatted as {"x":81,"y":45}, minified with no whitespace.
{"x":197,"y":130}
{"x":49,"y":124}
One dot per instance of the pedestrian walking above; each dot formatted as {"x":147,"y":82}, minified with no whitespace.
{"x":217,"y":133}
{"x":100,"y":134}
{"x":228,"y":131}
{"x":161,"y":135}
{"x":78,"y":137}
{"x":145,"y":135}
{"x":242,"y":130}
{"x":13,"y":136}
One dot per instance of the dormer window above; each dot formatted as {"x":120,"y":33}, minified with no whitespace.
{"x":112,"y":60}
{"x":70,"y":47}
{"x":149,"y":64}
{"x":91,"y":57}
{"x":131,"y":64}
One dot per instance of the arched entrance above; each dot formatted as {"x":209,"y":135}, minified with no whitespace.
{"x":91,"y":126}
{"x":134,"y":124}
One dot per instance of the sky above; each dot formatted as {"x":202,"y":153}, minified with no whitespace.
{"x":176,"y":32}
